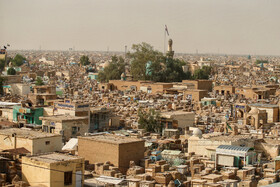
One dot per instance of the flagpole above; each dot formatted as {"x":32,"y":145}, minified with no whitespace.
{"x":164,"y":40}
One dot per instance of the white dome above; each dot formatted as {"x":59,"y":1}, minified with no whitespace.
{"x":197,"y":132}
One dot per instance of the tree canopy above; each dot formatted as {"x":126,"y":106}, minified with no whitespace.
{"x":150,"y":64}
{"x":11,"y":71}
{"x":149,"y":120}
{"x":202,"y":73}
{"x":113,"y":71}
{"x":261,"y":61}
{"x":143,"y":53}
{"x":1,"y":85}
{"x":2,"y":64}
{"x":84,"y":60}
{"x":39,"y":81}
{"x":18,"y":60}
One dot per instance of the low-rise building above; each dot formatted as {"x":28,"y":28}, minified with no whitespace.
{"x":25,"y":114}
{"x":194,"y":94}
{"x":144,"y":86}
{"x":53,"y":170}
{"x":43,"y":95}
{"x":234,"y":156}
{"x":100,"y":118}
{"x":200,"y":84}
{"x":177,"y":119}
{"x":208,"y":101}
{"x":224,"y":89}
{"x":71,"y":108}
{"x":272,"y":111}
{"x":17,"y":89}
{"x":67,"y":126}
{"x":33,"y":141}
{"x":206,"y":145}
{"x":118,"y":150}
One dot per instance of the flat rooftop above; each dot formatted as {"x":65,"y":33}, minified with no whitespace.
{"x":64,"y":118}
{"x":263,"y":105}
{"x":53,"y":157}
{"x":230,"y":138}
{"x":26,"y":133}
{"x":8,"y":103}
{"x":177,"y":112}
{"x":110,"y":138}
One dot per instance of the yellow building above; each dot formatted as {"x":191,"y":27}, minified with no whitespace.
{"x":53,"y":170}
{"x":118,"y":150}
{"x":177,"y":119}
{"x":67,"y":126}
{"x":33,"y":141}
{"x":206,"y":144}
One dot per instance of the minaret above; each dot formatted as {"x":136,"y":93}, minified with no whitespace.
{"x":169,"y":52}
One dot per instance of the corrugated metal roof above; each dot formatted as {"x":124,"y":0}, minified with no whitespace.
{"x":232,"y":150}
{"x":232,"y":147}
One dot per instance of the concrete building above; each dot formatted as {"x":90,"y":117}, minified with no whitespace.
{"x":67,"y":126}
{"x":100,"y":118}
{"x":118,"y":150}
{"x":254,"y":92}
{"x":17,"y":89}
{"x":234,"y":156}
{"x":27,"y":115}
{"x":44,"y":60}
{"x":194,"y":94}
{"x":271,"y":110}
{"x":224,"y":89}
{"x":206,"y":145}
{"x":177,"y":119}
{"x":6,"y":110}
{"x":33,"y":141}
{"x":53,"y":170}
{"x":43,"y":95}
{"x":200,"y":84}
{"x":71,"y":108}
{"x":145,"y":86}
{"x":208,"y":101}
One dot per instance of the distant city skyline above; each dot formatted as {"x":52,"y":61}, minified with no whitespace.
{"x":203,"y":26}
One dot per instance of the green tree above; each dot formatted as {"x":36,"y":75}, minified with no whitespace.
{"x":1,"y":85}
{"x":149,"y":120}
{"x":149,"y":64}
{"x":113,"y":71}
{"x":11,"y":71}
{"x":18,"y":60}
{"x":174,"y":71}
{"x":2,"y":64}
{"x":261,"y":61}
{"x":143,"y":53}
{"x":84,"y":60}
{"x":203,"y":73}
{"x":39,"y":81}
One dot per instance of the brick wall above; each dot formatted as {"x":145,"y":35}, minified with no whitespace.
{"x":95,"y":151}
{"x":130,"y":152}
{"x":118,"y":154}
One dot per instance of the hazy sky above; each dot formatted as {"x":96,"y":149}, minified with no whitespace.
{"x":210,"y":26}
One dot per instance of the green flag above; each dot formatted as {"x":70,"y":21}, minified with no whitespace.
{"x":228,"y":126}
